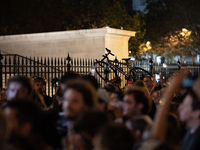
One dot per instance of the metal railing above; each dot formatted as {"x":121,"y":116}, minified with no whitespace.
{"x":53,"y":68}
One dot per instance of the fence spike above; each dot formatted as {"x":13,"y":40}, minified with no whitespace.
{"x":9,"y":59}
{"x":61,"y":61}
{"x":54,"y":61}
{"x":48,"y":62}
{"x":45,"y":61}
{"x":5,"y":60}
{"x":65,"y":62}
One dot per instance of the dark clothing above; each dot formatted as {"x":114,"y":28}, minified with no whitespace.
{"x":157,"y":88}
{"x":179,"y":99}
{"x":191,"y":141}
{"x":153,"y":110}
{"x":48,"y":100}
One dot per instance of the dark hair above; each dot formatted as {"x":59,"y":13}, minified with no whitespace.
{"x":68,"y":76}
{"x":195,"y":100}
{"x":110,"y":88}
{"x":139,"y":124}
{"x":120,"y":95}
{"x":115,"y":137}
{"x":24,"y":81}
{"x":91,"y":79}
{"x":86,"y":89}
{"x":141,"y":96}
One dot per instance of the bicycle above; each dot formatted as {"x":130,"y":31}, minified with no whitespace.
{"x":108,"y":66}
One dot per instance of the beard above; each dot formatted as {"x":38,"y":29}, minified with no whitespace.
{"x":39,"y":90}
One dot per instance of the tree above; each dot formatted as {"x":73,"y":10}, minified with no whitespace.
{"x":166,"y":18}
{"x":22,"y":16}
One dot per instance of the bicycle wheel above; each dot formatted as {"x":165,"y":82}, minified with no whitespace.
{"x":137,"y":73}
{"x":107,"y":72}
{"x":102,"y":70}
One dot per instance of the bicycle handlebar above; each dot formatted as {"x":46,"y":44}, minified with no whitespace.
{"x":109,"y":52}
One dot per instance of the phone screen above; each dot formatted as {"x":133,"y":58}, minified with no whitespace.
{"x":93,"y":71}
{"x":157,"y":77}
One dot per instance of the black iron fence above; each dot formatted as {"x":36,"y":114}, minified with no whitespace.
{"x":53,"y":68}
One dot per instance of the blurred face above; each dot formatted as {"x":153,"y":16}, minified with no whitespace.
{"x":17,"y":129}
{"x":147,"y":82}
{"x":181,"y":92}
{"x":16,"y":90}
{"x":129,"y":105}
{"x":113,"y":99}
{"x":39,"y":86}
{"x":155,"y":97}
{"x":185,"y":109}
{"x":73,"y":104}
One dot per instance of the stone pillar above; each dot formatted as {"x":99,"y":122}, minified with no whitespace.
{"x":90,"y":43}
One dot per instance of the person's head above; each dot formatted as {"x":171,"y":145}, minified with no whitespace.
{"x":156,"y":97}
{"x":139,"y":83}
{"x":91,"y":79}
{"x":103,"y":98}
{"x":189,"y":110}
{"x":114,"y":137}
{"x":88,"y":125}
{"x":19,"y":87}
{"x":148,"y":81}
{"x":23,"y":117}
{"x":115,"y":99}
{"x":110,"y":88}
{"x":129,"y":84}
{"x":136,"y":102}
{"x":69,"y":75}
{"x":79,"y":96}
{"x":40,"y":84}
{"x":182,"y":91}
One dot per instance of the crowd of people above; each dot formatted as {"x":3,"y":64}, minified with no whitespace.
{"x":144,"y":115}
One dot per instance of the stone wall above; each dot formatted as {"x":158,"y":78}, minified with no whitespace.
{"x":90,"y":43}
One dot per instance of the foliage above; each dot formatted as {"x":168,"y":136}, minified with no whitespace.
{"x":22,"y":16}
{"x":166,"y":19}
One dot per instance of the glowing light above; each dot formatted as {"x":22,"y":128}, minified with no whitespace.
{"x":158,"y":59}
{"x":185,"y":32}
{"x":164,"y":65}
{"x":184,"y":29}
{"x":148,"y":42}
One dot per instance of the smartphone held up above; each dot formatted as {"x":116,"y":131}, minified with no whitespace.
{"x":93,"y":70}
{"x":157,"y":77}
